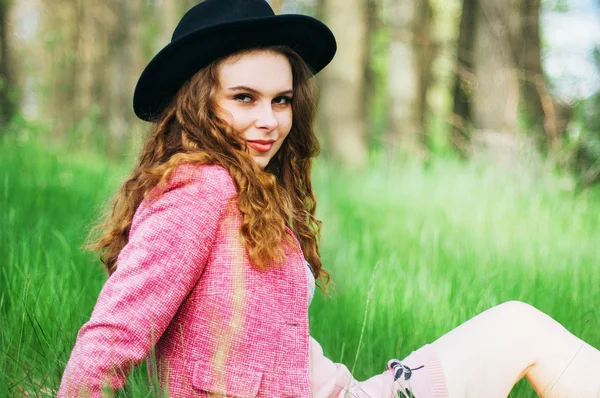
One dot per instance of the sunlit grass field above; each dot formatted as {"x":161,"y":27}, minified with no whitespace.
{"x":414,"y":251}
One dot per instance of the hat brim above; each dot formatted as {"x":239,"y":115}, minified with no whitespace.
{"x":182,"y":58}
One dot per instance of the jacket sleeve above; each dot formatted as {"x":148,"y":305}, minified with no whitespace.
{"x":329,"y":379}
{"x":168,"y":247}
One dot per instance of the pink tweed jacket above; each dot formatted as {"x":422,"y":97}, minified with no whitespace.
{"x":186,"y":297}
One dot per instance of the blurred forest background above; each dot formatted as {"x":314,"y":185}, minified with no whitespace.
{"x":513,"y":81}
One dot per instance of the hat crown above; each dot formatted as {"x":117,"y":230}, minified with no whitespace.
{"x":217,"y":12}
{"x":214,"y":29}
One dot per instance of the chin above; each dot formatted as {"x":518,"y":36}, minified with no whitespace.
{"x":261,"y":162}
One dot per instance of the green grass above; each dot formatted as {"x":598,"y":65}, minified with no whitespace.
{"x":438,"y":244}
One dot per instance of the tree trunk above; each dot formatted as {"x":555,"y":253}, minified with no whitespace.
{"x":24,"y":48}
{"x":121,"y":85}
{"x":59,"y":64}
{"x":88,"y":63}
{"x":495,"y":97}
{"x":342,"y":101}
{"x":169,"y":14}
{"x":423,"y":46}
{"x":7,"y":105}
{"x":543,"y":112}
{"x":492,"y":107}
{"x":276,"y":5}
{"x":410,"y":58}
{"x":370,"y":89}
{"x":464,"y":81}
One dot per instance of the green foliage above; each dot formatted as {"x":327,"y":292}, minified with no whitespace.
{"x":556,"y":5}
{"x":378,"y":103}
{"x":437,"y":245}
{"x":46,"y":205}
{"x":585,"y":135}
{"x":449,"y":242}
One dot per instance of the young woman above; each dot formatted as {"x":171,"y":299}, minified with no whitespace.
{"x":212,"y":243}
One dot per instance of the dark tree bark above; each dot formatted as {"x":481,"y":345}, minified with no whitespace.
{"x":7,"y":105}
{"x":121,"y":82}
{"x":464,"y":81}
{"x":424,"y":46}
{"x":487,"y":92}
{"x":373,"y":23}
{"x":545,"y":113}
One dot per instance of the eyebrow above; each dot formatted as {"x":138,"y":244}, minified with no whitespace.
{"x":251,"y":90}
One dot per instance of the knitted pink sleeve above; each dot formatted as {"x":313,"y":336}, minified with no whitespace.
{"x":169,"y":244}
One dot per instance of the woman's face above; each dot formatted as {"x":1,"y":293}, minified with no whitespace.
{"x":255,"y":98}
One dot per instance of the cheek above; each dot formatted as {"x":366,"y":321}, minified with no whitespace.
{"x":285,"y":122}
{"x":227,"y":117}
{"x":236,"y":119}
{"x":242,"y":118}
{"x":223,"y":112}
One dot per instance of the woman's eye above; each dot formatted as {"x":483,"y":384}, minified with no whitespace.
{"x":245,"y":98}
{"x":283,"y":100}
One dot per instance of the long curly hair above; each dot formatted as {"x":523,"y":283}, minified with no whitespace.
{"x":189,"y":131}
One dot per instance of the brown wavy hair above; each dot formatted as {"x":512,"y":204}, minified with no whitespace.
{"x":189,"y":131}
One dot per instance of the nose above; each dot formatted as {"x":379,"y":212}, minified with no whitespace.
{"x":265,"y":117}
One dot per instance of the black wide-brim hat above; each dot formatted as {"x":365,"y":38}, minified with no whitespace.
{"x":216,"y":28}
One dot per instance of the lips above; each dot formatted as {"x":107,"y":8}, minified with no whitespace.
{"x":261,"y":145}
